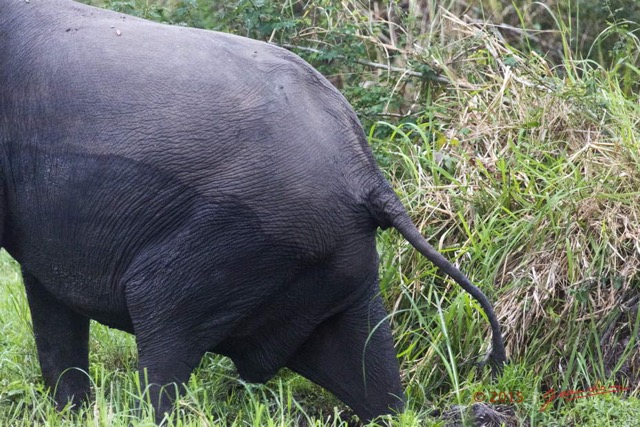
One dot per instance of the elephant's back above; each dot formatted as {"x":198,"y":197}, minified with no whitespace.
{"x":202,"y":105}
{"x":221,"y":118}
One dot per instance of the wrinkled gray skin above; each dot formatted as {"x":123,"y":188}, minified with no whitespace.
{"x":204,"y":191}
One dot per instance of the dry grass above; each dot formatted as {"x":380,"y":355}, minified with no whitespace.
{"x":551,"y":159}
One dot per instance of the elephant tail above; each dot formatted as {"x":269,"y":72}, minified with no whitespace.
{"x":388,"y":211}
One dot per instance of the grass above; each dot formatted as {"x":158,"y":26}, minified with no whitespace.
{"x":521,"y":167}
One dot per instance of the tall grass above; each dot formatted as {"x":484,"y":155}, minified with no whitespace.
{"x":516,"y":157}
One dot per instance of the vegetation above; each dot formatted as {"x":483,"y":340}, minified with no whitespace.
{"x":511,"y":132}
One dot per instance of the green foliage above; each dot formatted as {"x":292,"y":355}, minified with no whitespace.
{"x":257,"y":19}
{"x":180,"y":12}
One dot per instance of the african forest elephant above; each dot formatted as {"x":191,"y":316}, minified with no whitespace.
{"x":204,"y":191}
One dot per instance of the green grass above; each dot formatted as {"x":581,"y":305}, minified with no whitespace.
{"x":523,"y":169}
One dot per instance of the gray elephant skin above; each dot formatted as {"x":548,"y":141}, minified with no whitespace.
{"x":203,"y":191}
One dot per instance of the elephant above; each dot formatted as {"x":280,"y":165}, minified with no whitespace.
{"x":203,"y":191}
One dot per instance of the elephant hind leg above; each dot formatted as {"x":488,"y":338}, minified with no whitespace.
{"x":169,"y":349}
{"x":352,"y":355}
{"x":173,"y":331}
{"x":164,"y":368}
